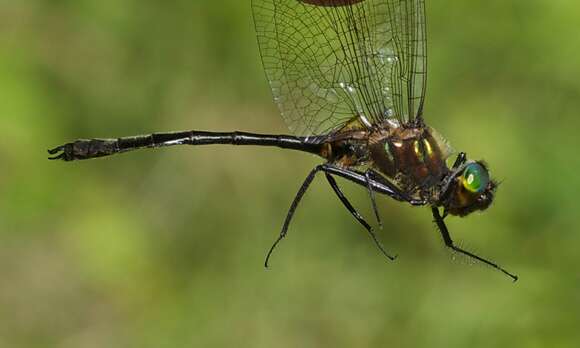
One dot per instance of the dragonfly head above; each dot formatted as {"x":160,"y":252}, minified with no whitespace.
{"x":470,"y":189}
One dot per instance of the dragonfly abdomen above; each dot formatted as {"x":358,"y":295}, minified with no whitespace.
{"x":91,"y":148}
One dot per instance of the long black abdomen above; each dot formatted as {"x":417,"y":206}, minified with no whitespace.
{"x":91,"y":148}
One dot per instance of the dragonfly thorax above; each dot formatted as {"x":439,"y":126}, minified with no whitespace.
{"x":414,"y":158}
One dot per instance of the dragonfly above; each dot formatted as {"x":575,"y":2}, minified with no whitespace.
{"x":349,"y":78}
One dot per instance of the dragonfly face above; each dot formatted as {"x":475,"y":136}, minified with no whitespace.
{"x":470,"y":189}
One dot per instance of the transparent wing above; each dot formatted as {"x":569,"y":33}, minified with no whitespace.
{"x":328,"y":61}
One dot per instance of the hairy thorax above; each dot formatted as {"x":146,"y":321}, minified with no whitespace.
{"x":413,"y":158}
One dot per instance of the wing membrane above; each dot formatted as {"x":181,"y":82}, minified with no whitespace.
{"x":328,"y":61}
{"x":409,"y":76}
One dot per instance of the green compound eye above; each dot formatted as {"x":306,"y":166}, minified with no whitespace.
{"x":475,"y":178}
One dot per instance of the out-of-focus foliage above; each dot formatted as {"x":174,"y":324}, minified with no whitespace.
{"x":165,"y":248}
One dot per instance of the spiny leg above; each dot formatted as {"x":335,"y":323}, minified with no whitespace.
{"x":447,"y":181}
{"x":292,"y":209}
{"x":378,"y":183}
{"x":373,"y":200}
{"x":449,"y":242}
{"x":373,"y":177}
{"x":461,"y":158}
{"x":356,"y":215}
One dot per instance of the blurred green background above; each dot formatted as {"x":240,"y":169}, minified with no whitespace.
{"x":164,"y":248}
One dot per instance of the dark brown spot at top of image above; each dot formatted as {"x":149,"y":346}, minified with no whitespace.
{"x":334,"y":3}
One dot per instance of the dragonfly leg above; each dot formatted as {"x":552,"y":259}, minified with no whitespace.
{"x":445,"y":187}
{"x":357,"y":177}
{"x":376,"y":182}
{"x":357,"y":216}
{"x":292,"y":209}
{"x":460,"y":160}
{"x":449,"y":242}
{"x":373,"y":200}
